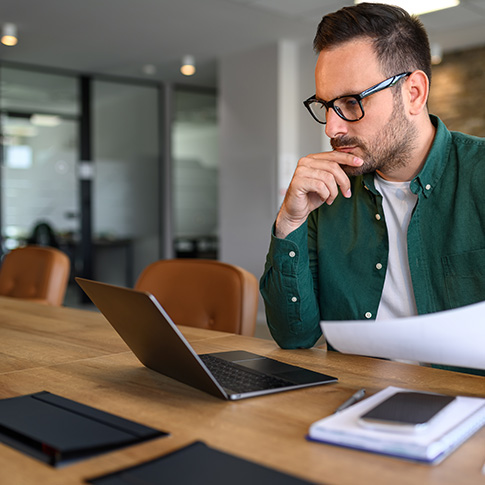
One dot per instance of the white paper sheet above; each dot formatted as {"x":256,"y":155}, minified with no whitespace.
{"x":454,"y":337}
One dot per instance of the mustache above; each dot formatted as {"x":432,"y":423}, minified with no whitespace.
{"x":346,"y":141}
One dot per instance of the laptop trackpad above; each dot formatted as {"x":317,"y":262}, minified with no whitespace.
{"x":266,"y":365}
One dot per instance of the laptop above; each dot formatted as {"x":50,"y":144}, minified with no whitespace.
{"x":158,"y":344}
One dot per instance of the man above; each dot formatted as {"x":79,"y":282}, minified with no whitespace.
{"x":390,"y":223}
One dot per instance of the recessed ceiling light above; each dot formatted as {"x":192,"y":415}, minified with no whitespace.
{"x":9,"y":34}
{"x":436,"y":54}
{"x":188,"y":66}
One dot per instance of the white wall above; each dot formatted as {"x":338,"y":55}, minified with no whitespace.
{"x":249,"y":149}
{"x":311,"y":135}
{"x":252,"y":86}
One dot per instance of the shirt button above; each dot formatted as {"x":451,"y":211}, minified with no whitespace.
{"x":428,"y":187}
{"x":292,"y":254}
{"x":294,"y":299}
{"x":378,"y":217}
{"x":368,"y":315}
{"x":379,"y":266}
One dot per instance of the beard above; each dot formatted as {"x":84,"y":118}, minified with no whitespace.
{"x":389,"y":150}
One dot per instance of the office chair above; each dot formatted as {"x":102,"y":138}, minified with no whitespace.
{"x":204,"y":293}
{"x":35,"y":273}
{"x":43,"y":235}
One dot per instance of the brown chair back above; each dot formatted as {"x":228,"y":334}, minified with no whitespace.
{"x":204,"y":293}
{"x":35,"y":273}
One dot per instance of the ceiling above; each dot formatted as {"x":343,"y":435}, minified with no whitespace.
{"x":120,"y":37}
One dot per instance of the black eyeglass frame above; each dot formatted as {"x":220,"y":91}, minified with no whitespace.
{"x":387,"y":83}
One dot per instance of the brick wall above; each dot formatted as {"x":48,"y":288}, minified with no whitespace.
{"x":458,"y":91}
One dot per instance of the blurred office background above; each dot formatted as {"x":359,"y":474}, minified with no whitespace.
{"x":127,"y":160}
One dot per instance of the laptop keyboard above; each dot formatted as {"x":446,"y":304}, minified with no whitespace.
{"x":239,"y":379}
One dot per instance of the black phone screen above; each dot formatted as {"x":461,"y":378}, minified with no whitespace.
{"x":413,"y":408}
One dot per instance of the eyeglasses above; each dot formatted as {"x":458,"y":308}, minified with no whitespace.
{"x":348,"y":107}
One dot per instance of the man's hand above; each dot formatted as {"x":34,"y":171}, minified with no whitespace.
{"x":316,"y":181}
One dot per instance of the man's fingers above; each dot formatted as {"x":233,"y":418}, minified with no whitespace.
{"x":328,"y":172}
{"x":331,"y":162}
{"x":324,"y":187}
{"x":341,"y":158}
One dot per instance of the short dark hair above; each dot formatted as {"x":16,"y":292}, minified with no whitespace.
{"x":400,"y":40}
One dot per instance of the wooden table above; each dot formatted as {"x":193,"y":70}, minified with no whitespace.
{"x":76,"y":354}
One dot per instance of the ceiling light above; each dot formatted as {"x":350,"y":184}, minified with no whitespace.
{"x":419,"y":7}
{"x":436,"y":54}
{"x":188,"y":66}
{"x":9,"y":34}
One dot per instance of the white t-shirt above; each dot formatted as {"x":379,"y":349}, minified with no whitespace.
{"x":398,"y":202}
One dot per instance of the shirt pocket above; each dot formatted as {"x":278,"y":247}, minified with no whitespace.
{"x":464,"y":277}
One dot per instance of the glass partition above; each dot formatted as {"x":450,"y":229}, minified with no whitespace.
{"x":126,"y":212}
{"x":31,"y":91}
{"x":39,"y":128}
{"x":195,"y":159}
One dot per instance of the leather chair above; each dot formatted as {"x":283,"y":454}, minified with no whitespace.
{"x":204,"y":293}
{"x":35,"y":273}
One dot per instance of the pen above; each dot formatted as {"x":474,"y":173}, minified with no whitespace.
{"x":483,"y":469}
{"x":351,"y":400}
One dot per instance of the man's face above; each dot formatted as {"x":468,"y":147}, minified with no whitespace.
{"x":384,"y":137}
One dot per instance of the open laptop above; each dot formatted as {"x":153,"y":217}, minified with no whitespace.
{"x":156,"y":341}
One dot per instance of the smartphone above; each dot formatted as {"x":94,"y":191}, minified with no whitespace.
{"x":406,"y":412}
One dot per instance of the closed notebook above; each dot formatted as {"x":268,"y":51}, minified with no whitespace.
{"x":449,"y":429}
{"x":57,"y":430}
{"x":198,"y":463}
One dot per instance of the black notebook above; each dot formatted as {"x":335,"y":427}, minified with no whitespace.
{"x":57,"y":430}
{"x":198,"y":463}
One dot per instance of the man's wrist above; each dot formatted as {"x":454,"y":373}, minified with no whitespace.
{"x":283,"y":227}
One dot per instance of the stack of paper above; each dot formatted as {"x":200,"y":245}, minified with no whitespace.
{"x":456,"y":423}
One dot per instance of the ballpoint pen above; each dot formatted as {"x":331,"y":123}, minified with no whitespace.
{"x":352,"y":400}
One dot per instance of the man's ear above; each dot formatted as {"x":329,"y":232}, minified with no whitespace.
{"x":416,"y":89}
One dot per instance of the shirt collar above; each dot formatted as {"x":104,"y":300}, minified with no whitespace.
{"x":427,"y":179}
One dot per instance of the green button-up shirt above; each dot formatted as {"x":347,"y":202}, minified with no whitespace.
{"x":333,"y":267}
